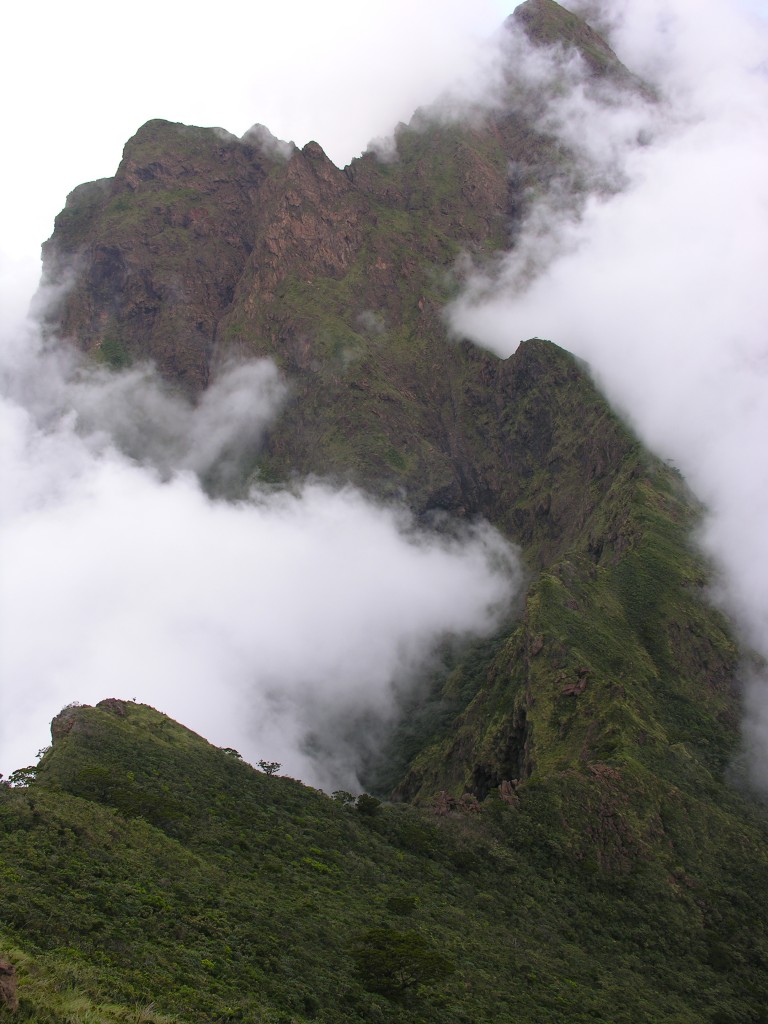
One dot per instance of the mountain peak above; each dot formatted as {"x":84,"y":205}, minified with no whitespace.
{"x":546,"y":23}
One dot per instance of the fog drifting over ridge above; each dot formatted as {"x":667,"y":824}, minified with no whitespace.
{"x":629,"y":287}
{"x":306,"y":72}
{"x":271,"y":624}
{"x":661,"y":287}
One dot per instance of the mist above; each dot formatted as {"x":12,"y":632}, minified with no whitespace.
{"x":340,"y":72}
{"x":260,"y":619}
{"x":660,"y":283}
{"x":277,"y":624}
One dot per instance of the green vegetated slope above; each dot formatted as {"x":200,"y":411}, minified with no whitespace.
{"x":561,"y":842}
{"x":146,"y":867}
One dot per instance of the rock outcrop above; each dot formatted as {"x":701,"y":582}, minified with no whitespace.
{"x":204,"y":245}
{"x":9,"y":990}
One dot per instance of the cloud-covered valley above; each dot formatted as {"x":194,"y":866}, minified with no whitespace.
{"x":288,"y":623}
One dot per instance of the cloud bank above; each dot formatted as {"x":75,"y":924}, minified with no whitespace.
{"x":284,"y":624}
{"x":661,"y":286}
{"x":89,"y":460}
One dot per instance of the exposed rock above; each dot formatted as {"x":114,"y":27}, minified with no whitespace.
{"x":67,"y":720}
{"x":114,"y":706}
{"x":574,"y":689}
{"x":444,"y":803}
{"x":468,"y":803}
{"x":9,"y":995}
{"x":192,"y":251}
{"x":605,"y":771}
{"x":507,"y":791}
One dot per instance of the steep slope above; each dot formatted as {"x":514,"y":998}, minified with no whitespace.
{"x":150,"y":873}
{"x":546,"y":23}
{"x":204,"y":247}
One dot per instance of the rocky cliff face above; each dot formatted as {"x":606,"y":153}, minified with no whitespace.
{"x":205,"y":247}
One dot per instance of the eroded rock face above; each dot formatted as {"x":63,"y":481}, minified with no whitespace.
{"x":149,"y":259}
{"x":204,"y":245}
{"x":71,"y":719}
{"x":68,"y":720}
{"x":114,"y":706}
{"x":201,"y":246}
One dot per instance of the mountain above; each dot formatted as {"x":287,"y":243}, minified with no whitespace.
{"x":563,"y":835}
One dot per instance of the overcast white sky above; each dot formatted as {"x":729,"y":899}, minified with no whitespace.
{"x":78,"y":79}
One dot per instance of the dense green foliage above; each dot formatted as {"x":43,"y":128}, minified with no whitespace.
{"x":145,"y":868}
{"x":397,"y":964}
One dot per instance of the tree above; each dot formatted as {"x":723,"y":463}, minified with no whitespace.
{"x":367,"y":804}
{"x":270,"y":767}
{"x":396,"y":964}
{"x":23,"y":776}
{"x":341,"y":796}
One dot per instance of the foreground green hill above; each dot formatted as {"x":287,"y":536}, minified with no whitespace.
{"x":145,"y":867}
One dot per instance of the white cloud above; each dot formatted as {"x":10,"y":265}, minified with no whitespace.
{"x":113,"y":580}
{"x":661,"y":288}
{"x":270,"y":624}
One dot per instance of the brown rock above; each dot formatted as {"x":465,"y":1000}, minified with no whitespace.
{"x":114,"y":706}
{"x":469,"y":804}
{"x":507,"y":792}
{"x":65,"y":722}
{"x":9,"y":995}
{"x":605,"y":771}
{"x":444,"y":803}
{"x":574,"y":689}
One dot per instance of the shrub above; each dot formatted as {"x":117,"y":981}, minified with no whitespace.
{"x":396,"y":964}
